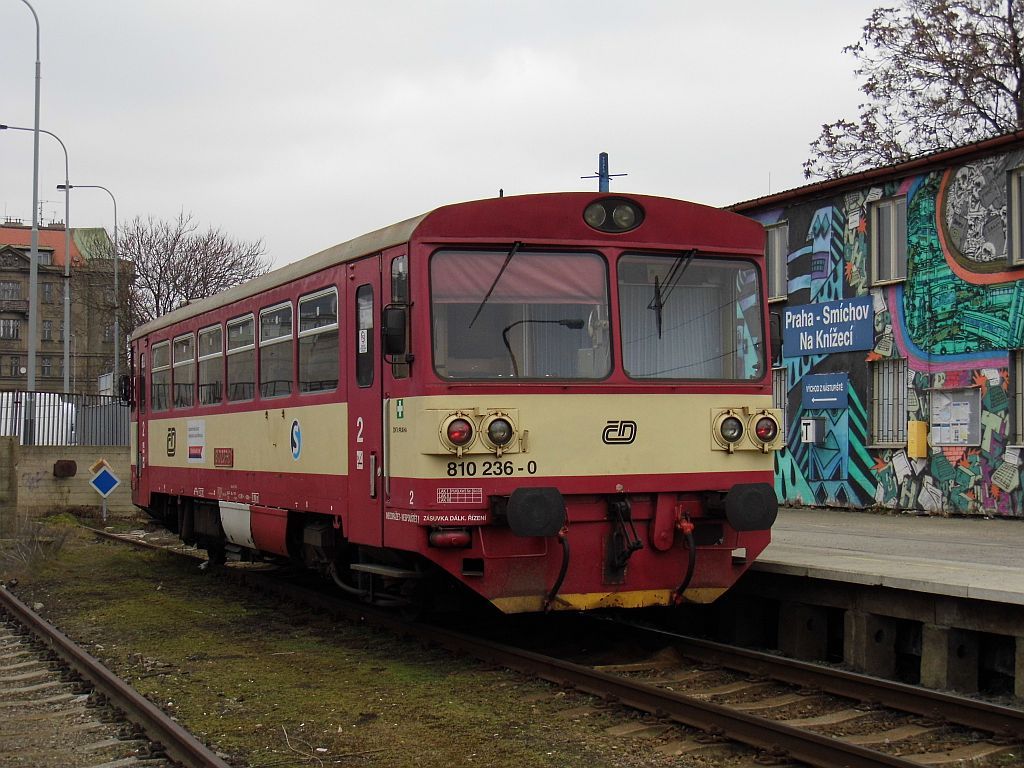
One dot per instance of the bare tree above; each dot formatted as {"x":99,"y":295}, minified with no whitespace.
{"x":937,"y":74}
{"x":175,"y":263}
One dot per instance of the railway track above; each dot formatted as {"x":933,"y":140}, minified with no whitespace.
{"x":60,"y":706}
{"x":784,"y":710}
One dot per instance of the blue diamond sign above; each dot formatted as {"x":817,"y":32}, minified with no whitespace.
{"x":104,"y":482}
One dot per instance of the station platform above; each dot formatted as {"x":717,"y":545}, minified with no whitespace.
{"x":972,"y":558}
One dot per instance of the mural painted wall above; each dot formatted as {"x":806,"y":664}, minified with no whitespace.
{"x":954,"y":320}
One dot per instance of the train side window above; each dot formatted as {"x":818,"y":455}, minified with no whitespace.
{"x":241,"y":359}
{"x":364,"y":335}
{"x":276,"y":354}
{"x":160,"y":387}
{"x":318,"y":341}
{"x":400,"y":295}
{"x":183,"y":352}
{"x":211,"y":366}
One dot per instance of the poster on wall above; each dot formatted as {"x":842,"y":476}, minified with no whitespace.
{"x":956,"y":416}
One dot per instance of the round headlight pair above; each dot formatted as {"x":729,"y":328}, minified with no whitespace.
{"x":613,"y":214}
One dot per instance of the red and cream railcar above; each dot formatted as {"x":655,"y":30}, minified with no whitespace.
{"x":561,"y":401}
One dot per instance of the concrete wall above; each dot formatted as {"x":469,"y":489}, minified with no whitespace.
{"x":37,"y":491}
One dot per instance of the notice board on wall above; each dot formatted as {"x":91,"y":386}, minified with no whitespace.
{"x":956,"y":416}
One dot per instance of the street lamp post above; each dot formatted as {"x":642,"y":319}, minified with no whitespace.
{"x":117,"y":258}
{"x":29,"y":435}
{"x":67,"y":254}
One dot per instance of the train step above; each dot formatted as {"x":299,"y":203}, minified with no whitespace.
{"x":389,"y":571}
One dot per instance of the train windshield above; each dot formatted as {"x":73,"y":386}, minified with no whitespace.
{"x":520,"y":314}
{"x":689,"y":317}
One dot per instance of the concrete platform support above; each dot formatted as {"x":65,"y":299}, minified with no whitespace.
{"x":744,"y":621}
{"x":869,"y":643}
{"x":949,"y":659}
{"x":803,"y":630}
{"x":1018,"y":670}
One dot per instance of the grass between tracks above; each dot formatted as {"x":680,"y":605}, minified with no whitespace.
{"x":269,"y":684}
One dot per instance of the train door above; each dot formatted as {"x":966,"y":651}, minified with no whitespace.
{"x":365,"y":420}
{"x":141,"y":421}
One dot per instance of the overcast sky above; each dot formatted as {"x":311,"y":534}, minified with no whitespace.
{"x":307,"y":122}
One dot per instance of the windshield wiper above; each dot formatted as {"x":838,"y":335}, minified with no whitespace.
{"x":515,"y":247}
{"x":675,"y":273}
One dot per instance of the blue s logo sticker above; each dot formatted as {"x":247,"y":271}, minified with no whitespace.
{"x":296,"y":440}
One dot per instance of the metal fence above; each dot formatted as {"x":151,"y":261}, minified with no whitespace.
{"x":51,"y":418}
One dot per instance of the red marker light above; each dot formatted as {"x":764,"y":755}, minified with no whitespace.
{"x":766,"y":429}
{"x":460,"y":431}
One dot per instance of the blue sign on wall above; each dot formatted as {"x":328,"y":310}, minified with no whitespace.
{"x":835,"y":326}
{"x":824,"y":390}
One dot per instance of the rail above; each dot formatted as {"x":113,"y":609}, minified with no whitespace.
{"x":178,"y":743}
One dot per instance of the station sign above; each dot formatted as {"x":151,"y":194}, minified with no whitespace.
{"x":824,"y":390}
{"x":843,"y":325}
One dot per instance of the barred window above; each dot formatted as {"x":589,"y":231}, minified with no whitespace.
{"x":211,"y":366}
{"x":160,"y":388}
{"x":889,"y":401}
{"x":242,"y":359}
{"x":776,"y":254}
{"x":889,"y":239}
{"x":1016,"y":436}
{"x":184,"y":372}
{"x":276,"y":359}
{"x":318,"y":341}
{"x":779,"y":396}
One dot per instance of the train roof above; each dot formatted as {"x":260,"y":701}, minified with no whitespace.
{"x":503,"y":214}
{"x":389,"y":236}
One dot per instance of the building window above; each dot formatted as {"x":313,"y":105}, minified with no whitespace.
{"x":776,"y":252}
{"x":318,"y":341}
{"x":1015,"y":215}
{"x":889,"y":401}
{"x":160,"y":388}
{"x":276,"y":364}
{"x":47,"y":293}
{"x":47,"y":330}
{"x":108,"y":332}
{"x":15,"y":366}
{"x":241,"y":359}
{"x":211,"y":366}
{"x":61,"y":336}
{"x":779,"y":396}
{"x":10,"y":329}
{"x":184,"y":372}
{"x":46,"y":364}
{"x":888,"y":239}
{"x":45,"y":258}
{"x":1016,"y":436}
{"x":10,"y":290}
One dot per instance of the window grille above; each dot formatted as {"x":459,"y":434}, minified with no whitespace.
{"x":1015,"y":216}
{"x":779,"y":396}
{"x":889,"y":402}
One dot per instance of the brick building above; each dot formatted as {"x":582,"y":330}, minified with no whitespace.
{"x":92,"y":307}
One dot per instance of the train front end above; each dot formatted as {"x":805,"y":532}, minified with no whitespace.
{"x":594,"y":427}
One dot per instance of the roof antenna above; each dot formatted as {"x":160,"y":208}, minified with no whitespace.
{"x":603,"y":177}
{"x":501,"y":193}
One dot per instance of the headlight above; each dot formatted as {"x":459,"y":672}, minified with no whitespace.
{"x":613,"y":215}
{"x":500,"y":432}
{"x":731,"y":429}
